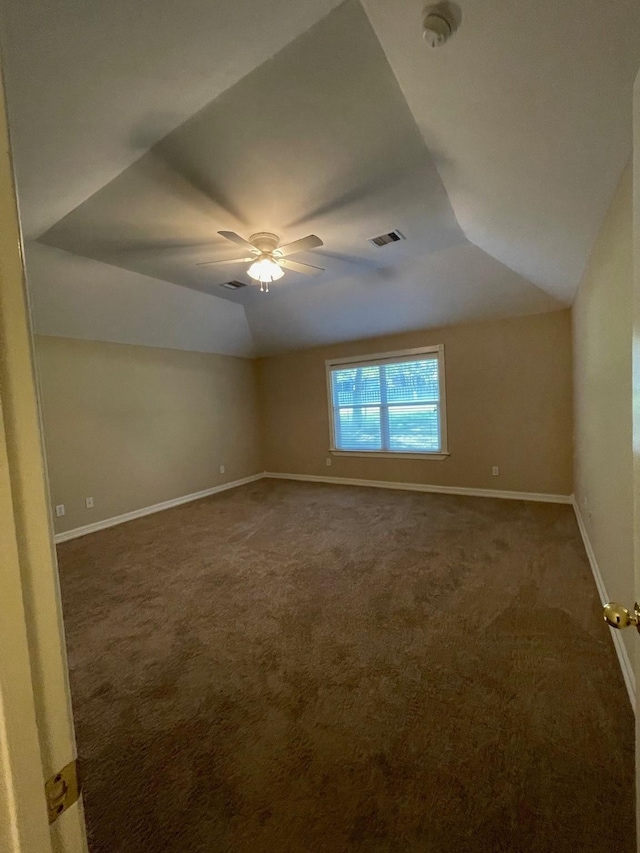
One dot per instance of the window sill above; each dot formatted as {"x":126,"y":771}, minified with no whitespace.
{"x":388,"y":454}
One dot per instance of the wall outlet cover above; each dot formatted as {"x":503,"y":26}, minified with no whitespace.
{"x":222,"y":469}
{"x":59,"y":510}
{"x":495,"y":470}
{"x":328,"y":461}
{"x":88,"y":502}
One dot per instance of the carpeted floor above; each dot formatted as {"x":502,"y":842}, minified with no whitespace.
{"x":301,"y":668}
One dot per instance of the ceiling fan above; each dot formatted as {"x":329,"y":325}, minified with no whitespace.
{"x":269,"y":260}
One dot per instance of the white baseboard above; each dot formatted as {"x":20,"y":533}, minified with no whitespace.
{"x":344,"y":481}
{"x":621,"y":650}
{"x":421,"y":487}
{"x":149,"y":510}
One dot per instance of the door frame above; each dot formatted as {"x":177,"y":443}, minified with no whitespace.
{"x":36,"y":724}
{"x":635,"y":168}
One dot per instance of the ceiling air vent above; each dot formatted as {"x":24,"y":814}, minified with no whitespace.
{"x":385,"y":239}
{"x":233,"y":285}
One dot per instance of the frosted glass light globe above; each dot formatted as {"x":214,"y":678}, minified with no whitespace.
{"x":265,"y":270}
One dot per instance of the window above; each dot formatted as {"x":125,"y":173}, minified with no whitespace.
{"x":389,"y":404}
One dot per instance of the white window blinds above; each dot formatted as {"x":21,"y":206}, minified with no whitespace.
{"x":388,"y":404}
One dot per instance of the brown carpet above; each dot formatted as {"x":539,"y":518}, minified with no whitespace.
{"x":299,"y":667}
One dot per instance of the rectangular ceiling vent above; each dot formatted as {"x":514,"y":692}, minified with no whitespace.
{"x":385,"y":239}
{"x":233,"y":285}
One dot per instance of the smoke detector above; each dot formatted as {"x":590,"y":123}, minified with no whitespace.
{"x":438,"y":25}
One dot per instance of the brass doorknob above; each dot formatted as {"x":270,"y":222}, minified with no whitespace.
{"x":618,"y":616}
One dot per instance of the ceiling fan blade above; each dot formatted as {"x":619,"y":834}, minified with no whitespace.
{"x":230,"y":261}
{"x":236,"y":238}
{"x":303,"y":245}
{"x":296,"y":266}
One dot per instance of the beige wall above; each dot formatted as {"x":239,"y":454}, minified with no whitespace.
{"x":133,"y":426}
{"x":509,"y":404}
{"x":602,"y":334}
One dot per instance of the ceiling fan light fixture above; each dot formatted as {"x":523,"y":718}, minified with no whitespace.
{"x":265,"y":270}
{"x":268,"y":258}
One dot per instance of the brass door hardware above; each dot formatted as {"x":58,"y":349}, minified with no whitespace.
{"x":618,"y":616}
{"x":62,"y":790}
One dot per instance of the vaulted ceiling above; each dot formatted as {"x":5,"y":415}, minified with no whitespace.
{"x":140,"y":130}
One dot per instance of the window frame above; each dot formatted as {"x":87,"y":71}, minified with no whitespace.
{"x":386,"y":358}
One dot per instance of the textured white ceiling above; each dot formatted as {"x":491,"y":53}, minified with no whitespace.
{"x":319,"y":139}
{"x":455,"y":285}
{"x":526,"y":114}
{"x":528,"y":111}
{"x":93,"y":84}
{"x":75,"y":297}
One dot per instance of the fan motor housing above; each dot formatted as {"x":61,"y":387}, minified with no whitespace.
{"x":265,"y":241}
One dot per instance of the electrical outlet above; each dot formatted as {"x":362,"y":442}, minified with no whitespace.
{"x":222,"y":469}
{"x":328,"y":461}
{"x":88,"y":502}
{"x":60,"y":510}
{"x":495,"y":471}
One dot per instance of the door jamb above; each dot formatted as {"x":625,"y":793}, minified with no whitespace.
{"x":36,"y":723}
